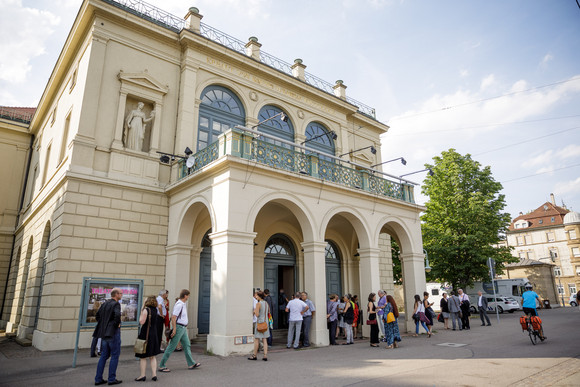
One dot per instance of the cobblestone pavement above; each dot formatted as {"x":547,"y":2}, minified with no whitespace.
{"x":500,"y":355}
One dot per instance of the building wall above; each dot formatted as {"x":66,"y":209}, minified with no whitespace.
{"x":540,"y":276}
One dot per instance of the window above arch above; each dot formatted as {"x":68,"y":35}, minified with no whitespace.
{"x":279,"y":245}
{"x":320,"y":139}
{"x":331,"y":251}
{"x":223,"y":99}
{"x":275,"y":127}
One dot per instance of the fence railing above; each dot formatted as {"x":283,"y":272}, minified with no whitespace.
{"x":174,"y":23}
{"x":244,"y":145}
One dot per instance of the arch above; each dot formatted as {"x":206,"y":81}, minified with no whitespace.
{"x":188,"y":217}
{"x":219,"y":110}
{"x":275,"y":127}
{"x":355,"y":219}
{"x":293,"y":203}
{"x":24,"y":280}
{"x":398,"y":229}
{"x":322,"y":140}
{"x":41,"y":271}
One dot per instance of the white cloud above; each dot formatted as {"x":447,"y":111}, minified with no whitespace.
{"x":570,"y":151}
{"x":547,"y":58}
{"x":571,"y":186}
{"x":547,"y":169}
{"x":487,"y":81}
{"x":540,"y":159}
{"x":25,"y":32}
{"x":463,"y":73}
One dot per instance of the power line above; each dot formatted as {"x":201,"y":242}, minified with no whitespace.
{"x":487,"y":99}
{"x":525,"y":141}
{"x":484,"y":126}
{"x":541,"y":173}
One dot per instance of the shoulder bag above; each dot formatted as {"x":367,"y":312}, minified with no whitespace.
{"x":262,"y":326}
{"x":140,"y":344}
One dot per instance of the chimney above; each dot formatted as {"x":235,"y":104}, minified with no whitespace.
{"x":253,"y":48}
{"x":340,"y":89}
{"x":552,"y":199}
{"x":193,"y":20}
{"x":298,"y":69}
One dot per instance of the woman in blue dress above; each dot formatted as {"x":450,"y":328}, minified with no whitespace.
{"x":392,"y":328}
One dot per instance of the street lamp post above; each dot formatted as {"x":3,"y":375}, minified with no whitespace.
{"x":427,"y":267}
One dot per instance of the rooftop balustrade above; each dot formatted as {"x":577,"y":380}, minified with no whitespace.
{"x":296,"y":159}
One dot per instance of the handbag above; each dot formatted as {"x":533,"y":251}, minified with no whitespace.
{"x":262,"y":326}
{"x":390,"y":317}
{"x":140,"y":344}
{"x":440,"y":318}
{"x":372,"y":322}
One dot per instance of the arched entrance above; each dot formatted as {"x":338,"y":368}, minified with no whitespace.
{"x":279,"y":273}
{"x":204,"y":296}
{"x":333,"y":269}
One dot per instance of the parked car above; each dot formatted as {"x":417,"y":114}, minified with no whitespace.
{"x":504,"y":304}
{"x":573,"y":300}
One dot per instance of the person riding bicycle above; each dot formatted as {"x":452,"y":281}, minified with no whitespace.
{"x":529,"y":305}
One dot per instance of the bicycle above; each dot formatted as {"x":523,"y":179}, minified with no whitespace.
{"x":534,"y":334}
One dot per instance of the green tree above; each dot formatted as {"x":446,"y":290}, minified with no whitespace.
{"x":463,"y":220}
{"x":396,"y":255}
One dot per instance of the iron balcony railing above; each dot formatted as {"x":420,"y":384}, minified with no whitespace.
{"x":238,"y":143}
{"x":164,"y":19}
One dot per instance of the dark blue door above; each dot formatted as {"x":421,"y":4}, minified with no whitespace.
{"x":204,"y":290}
{"x":333,"y":272}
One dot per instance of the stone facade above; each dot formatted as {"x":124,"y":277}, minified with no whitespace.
{"x":246,"y":213}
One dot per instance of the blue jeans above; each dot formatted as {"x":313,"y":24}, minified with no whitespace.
{"x":294,"y":330}
{"x":417,"y":326}
{"x":109,"y":347}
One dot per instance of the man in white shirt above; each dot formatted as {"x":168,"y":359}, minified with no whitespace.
{"x":482,"y":308}
{"x":307,"y":319}
{"x":296,"y":307}
{"x":162,"y":312}
{"x":179,"y":323}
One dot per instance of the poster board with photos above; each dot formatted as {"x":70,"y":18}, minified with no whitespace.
{"x":98,"y":290}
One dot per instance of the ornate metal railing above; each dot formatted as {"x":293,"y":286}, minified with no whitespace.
{"x":174,"y":23}
{"x":244,"y":145}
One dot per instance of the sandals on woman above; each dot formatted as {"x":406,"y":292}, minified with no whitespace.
{"x":374,"y":345}
{"x":164,"y":369}
{"x":194,"y":366}
{"x":253,"y":357}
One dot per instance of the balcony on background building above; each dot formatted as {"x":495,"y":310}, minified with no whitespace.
{"x":237,"y":143}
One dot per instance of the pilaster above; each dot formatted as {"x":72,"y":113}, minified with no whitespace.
{"x":315,"y":284}
{"x":370,"y":280}
{"x":414,"y":282}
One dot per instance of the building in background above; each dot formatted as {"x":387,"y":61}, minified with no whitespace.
{"x":547,"y":236}
{"x":167,"y":151}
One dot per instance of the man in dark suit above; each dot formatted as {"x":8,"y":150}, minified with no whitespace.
{"x":108,"y":330}
{"x":268,"y":300}
{"x":482,"y":307}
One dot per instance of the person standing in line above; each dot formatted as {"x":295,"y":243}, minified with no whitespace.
{"x":428,"y":312}
{"x":392,"y":328}
{"x":282,"y":315}
{"x":482,"y":308}
{"x":296,"y":308}
{"x":109,"y":331}
{"x":464,"y":298}
{"x":419,"y":316}
{"x":307,"y":319}
{"x":445,"y":310}
{"x":179,"y":335}
{"x":380,"y":306}
{"x":454,"y":309}
{"x":348,"y":319}
{"x":261,"y":314}
{"x":269,"y":301}
{"x":332,"y":317}
{"x":340,"y":332}
{"x":372,"y":311}
{"x":149,"y":320}
{"x":95,"y":345}
{"x":161,"y":315}
{"x":356,"y":309}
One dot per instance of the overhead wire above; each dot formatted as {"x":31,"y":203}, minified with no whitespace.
{"x":540,"y":173}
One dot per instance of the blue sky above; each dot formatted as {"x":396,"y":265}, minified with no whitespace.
{"x":431,"y":69}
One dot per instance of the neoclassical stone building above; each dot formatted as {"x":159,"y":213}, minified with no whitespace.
{"x":280,"y":191}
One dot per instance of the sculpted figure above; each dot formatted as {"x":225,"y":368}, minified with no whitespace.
{"x":135,"y":127}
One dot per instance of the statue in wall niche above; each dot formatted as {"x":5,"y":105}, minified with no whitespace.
{"x":135,"y":127}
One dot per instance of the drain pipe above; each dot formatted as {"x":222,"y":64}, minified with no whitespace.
{"x":16,"y":225}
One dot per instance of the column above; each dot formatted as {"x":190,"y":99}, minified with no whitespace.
{"x":413,"y":265}
{"x":231,"y":292}
{"x":315,"y":285}
{"x":370,"y":280}
{"x":177,"y":269}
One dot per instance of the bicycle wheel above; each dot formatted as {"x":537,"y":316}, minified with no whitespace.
{"x":533,"y":335}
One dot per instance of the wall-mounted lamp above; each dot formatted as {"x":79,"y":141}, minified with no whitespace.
{"x":373,"y":150}
{"x":431,"y":173}
{"x":282,"y":116}
{"x":332,"y":135}
{"x":427,"y":267}
{"x":167,"y":158}
{"x":403,"y":161}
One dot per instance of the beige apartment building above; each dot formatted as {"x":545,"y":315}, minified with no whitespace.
{"x":281,"y":188}
{"x":547,"y":238}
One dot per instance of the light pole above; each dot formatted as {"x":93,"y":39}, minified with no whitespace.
{"x":427,"y":267}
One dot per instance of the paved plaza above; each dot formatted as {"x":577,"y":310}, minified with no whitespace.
{"x":500,"y":355}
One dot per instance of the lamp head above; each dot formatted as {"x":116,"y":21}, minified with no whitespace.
{"x":283,"y":117}
{"x":403,"y":161}
{"x":164,"y":159}
{"x":373,"y":150}
{"x":333,"y":135}
{"x":431,"y":173}
{"x":188,"y":151}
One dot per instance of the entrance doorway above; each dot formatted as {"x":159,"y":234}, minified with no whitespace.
{"x":280,"y":273}
{"x":204,"y":286}
{"x":333,"y":270}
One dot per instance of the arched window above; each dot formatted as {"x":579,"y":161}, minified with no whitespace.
{"x":275,"y":127}
{"x":219,"y":111}
{"x":279,"y":245}
{"x":331,"y":252}
{"x":321,"y":139}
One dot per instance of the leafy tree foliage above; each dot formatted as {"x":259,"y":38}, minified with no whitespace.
{"x":396,"y":255}
{"x":463,"y":220}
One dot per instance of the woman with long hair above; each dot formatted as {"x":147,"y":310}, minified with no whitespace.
{"x":348,"y":319}
{"x":148,"y":332}
{"x":392,"y":328}
{"x":419,"y":316}
{"x":261,"y":313}
{"x":372,"y":311}
{"x":429,"y":313}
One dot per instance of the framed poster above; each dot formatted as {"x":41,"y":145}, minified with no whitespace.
{"x":98,"y":290}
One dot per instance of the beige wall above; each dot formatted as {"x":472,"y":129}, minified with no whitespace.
{"x":540,"y":276}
